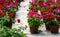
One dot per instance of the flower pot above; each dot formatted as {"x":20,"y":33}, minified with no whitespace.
{"x":47,"y":27}
{"x":34,"y":30}
{"x":54,"y":29}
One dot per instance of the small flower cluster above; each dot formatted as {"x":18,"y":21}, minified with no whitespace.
{"x":32,"y":13}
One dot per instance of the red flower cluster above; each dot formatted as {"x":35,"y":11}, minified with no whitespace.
{"x":7,"y":4}
{"x":47,"y":9}
{"x":49,"y":17}
{"x":33,"y":3}
{"x":58,"y":2}
{"x":58,"y":16}
{"x":32,"y":13}
{"x":2,"y":14}
{"x":12,"y":15}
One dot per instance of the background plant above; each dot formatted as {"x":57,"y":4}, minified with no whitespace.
{"x":7,"y":32}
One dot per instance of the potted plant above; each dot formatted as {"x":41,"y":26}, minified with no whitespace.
{"x":34,"y":20}
{"x":34,"y":24}
{"x":51,"y":22}
{"x":53,"y":25}
{"x":48,"y":17}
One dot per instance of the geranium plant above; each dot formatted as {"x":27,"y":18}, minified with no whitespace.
{"x":34,"y":20}
{"x":34,"y":17}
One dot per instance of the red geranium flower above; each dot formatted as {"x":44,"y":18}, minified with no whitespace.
{"x":33,"y":4}
{"x":37,"y":15}
{"x":58,"y":16}
{"x":33,"y":9}
{"x":5,"y":7}
{"x":47,"y":19}
{"x":16,"y":3}
{"x":3,"y":14}
{"x":44,"y":12}
{"x":58,"y":2}
{"x":1,"y":2}
{"x":49,"y":7}
{"x":7,"y":2}
{"x":1,"y":7}
{"x":42,"y":4}
{"x":0,"y":13}
{"x":31,"y":14}
{"x":12,"y":15}
{"x":52,"y":18}
{"x":49,"y":16}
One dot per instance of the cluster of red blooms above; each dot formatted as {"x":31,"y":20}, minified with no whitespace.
{"x":2,"y":14}
{"x":7,"y":4}
{"x":49,"y":17}
{"x":33,"y":11}
{"x":48,"y":14}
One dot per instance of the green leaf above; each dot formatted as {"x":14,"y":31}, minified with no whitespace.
{"x":37,"y":7}
{"x":30,"y":6}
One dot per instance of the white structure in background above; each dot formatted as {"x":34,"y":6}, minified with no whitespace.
{"x":22,"y":14}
